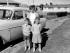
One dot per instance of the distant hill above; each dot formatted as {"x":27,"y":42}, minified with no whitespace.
{"x":58,"y":5}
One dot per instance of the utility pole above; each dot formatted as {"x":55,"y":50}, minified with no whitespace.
{"x":7,"y":2}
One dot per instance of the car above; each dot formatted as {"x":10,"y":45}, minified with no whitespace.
{"x":11,"y":20}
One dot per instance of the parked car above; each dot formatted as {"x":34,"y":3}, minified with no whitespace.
{"x":11,"y":20}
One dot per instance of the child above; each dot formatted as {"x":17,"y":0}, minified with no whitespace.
{"x":26,"y":28}
{"x":36,"y":27}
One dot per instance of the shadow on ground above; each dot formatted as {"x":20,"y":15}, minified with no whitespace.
{"x":12,"y":43}
{"x":44,"y":37}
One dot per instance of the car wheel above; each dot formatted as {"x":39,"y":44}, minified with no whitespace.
{"x":1,"y":44}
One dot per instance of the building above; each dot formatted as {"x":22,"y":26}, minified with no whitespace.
{"x":10,"y":2}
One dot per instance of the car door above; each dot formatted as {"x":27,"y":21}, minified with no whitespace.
{"x":16,"y":25}
{"x":5,"y":24}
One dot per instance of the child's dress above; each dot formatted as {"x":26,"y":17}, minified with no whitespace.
{"x":36,"y":33}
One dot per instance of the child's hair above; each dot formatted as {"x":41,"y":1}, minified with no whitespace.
{"x":41,"y":16}
{"x":27,"y":19}
{"x":37,"y":18}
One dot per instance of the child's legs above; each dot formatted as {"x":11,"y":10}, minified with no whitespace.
{"x":33,"y":45}
{"x":28,"y":42}
{"x":25,"y":41}
{"x":34,"y":40}
{"x":39,"y":40}
{"x":39,"y":45}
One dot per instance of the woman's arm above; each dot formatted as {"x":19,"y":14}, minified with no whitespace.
{"x":40,"y":27}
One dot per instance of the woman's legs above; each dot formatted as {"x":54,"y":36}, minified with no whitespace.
{"x":33,"y":47}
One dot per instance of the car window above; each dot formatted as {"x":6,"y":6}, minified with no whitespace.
{"x":18,"y":15}
{"x":5,"y":14}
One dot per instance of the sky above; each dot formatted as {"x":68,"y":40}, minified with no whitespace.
{"x":37,"y":2}
{"x":59,"y":1}
{"x":44,"y":1}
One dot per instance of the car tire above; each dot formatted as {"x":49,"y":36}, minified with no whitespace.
{"x":1,"y":44}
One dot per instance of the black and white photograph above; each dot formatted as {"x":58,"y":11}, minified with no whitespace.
{"x":34,"y":26}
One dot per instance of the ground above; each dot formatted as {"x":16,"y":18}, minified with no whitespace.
{"x":59,"y":42}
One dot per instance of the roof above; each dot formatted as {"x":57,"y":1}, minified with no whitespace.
{"x":13,"y":8}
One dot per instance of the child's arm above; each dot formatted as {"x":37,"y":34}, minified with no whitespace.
{"x":32,"y":29}
{"x":40,"y":27}
{"x":22,"y":27}
{"x":44,"y":30}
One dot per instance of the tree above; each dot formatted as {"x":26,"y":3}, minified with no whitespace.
{"x":32,"y":7}
{"x":41,"y":6}
{"x":51,"y":3}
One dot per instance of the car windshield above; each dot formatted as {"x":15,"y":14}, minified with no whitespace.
{"x":5,"y":14}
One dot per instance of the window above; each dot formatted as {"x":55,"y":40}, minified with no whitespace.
{"x":51,"y":13}
{"x":18,"y":15}
{"x":5,"y":14}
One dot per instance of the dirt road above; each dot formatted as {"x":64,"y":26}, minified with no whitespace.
{"x":59,"y":42}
